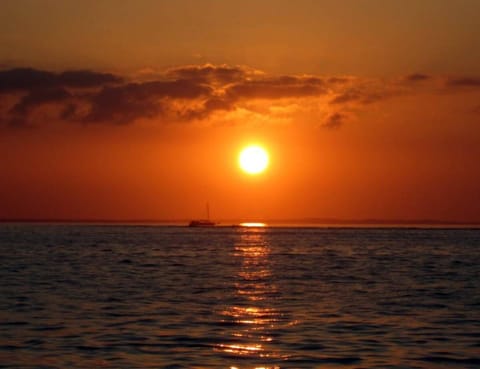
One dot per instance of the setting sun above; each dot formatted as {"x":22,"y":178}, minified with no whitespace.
{"x":253,"y":159}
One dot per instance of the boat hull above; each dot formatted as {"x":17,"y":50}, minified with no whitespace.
{"x":201,"y":223}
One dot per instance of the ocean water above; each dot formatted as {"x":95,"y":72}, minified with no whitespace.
{"x":82,"y":296}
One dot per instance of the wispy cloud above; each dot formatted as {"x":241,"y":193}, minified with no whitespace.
{"x":463,"y":82}
{"x":417,"y":77}
{"x":334,"y":120}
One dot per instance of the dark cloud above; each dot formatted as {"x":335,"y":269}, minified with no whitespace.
{"x":69,"y":112}
{"x":25,"y":79}
{"x":463,"y":82}
{"x":208,"y":73}
{"x":277,"y":88}
{"x":32,"y":79}
{"x":347,"y":96}
{"x":103,"y":96}
{"x":86,"y":78}
{"x":338,"y":80}
{"x":36,"y":88}
{"x":417,"y":77}
{"x":187,"y":93}
{"x":261,"y":88}
{"x":210,"y":106}
{"x":334,"y":121}
{"x":120,"y":105}
{"x":37,"y":97}
{"x":126,"y":103}
{"x":359,"y":95}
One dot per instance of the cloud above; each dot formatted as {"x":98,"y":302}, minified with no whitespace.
{"x":189,"y":93}
{"x":209,"y":73}
{"x":348,"y":96}
{"x":334,"y":120}
{"x":126,"y":103}
{"x":33,"y":79}
{"x":417,"y":77}
{"x":277,"y":88}
{"x":249,"y":86}
{"x":364,"y":93}
{"x":36,"y":88}
{"x":463,"y":82}
{"x":39,"y":97}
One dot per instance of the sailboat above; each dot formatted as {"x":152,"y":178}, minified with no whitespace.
{"x":203,"y":222}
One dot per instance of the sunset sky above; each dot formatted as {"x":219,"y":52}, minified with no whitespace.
{"x":137,"y":110}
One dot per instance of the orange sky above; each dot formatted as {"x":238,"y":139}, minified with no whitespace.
{"x":117,"y":110}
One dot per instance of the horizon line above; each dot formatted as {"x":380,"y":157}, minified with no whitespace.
{"x":300,"y":221}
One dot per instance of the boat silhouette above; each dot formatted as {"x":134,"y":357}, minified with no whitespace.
{"x":203,"y":222}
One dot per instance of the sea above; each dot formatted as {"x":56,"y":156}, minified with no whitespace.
{"x":149,"y":296}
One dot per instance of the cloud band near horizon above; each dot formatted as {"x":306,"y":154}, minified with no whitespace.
{"x":188,"y":93}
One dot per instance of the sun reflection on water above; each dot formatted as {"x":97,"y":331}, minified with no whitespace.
{"x":254,"y":317}
{"x":253,"y":224}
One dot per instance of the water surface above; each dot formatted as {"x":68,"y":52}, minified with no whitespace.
{"x":78,"y":296}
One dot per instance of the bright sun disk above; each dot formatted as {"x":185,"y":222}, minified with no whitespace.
{"x":253,"y":159}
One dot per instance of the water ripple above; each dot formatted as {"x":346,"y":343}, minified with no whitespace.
{"x":172,"y":297}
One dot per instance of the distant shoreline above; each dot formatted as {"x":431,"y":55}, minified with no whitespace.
{"x":307,"y":222}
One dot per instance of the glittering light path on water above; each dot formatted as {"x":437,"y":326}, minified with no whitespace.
{"x":255,"y":316}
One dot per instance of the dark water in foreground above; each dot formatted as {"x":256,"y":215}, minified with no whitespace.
{"x":166,"y":297}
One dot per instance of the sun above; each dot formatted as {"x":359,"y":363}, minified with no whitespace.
{"x":253,"y":159}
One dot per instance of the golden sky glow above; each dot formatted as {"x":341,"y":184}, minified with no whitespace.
{"x":125,"y":110}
